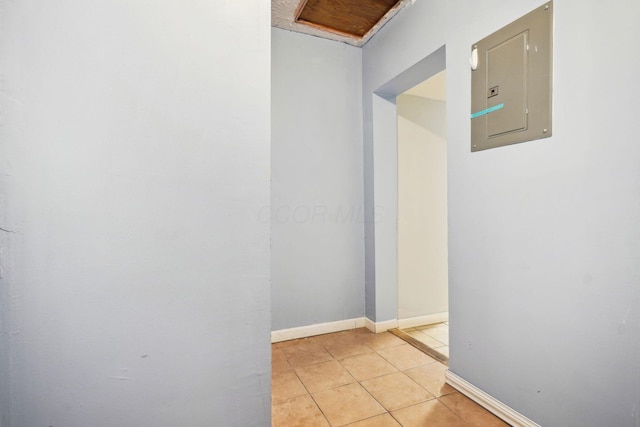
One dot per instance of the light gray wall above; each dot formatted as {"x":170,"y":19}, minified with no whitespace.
{"x":135,"y":159}
{"x":422,"y":206}
{"x":544,"y":237}
{"x":317,"y":219}
{"x":385,"y":212}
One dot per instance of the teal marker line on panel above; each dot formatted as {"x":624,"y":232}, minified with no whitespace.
{"x":487,"y":111}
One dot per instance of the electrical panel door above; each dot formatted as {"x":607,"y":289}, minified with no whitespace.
{"x":511,"y":82}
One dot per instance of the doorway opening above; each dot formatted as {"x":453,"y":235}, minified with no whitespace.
{"x":423,"y":312}
{"x":385,"y":302}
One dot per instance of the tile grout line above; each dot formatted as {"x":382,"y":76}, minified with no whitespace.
{"x":386,"y":411}
{"x":451,"y":409}
{"x":343,"y":348}
{"x":325,"y":348}
{"x":356,"y":381}
{"x":311,"y":395}
{"x":360,"y":384}
{"x":399,"y":371}
{"x":295,"y":371}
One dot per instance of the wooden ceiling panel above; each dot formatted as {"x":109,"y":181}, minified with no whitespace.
{"x":350,"y":17}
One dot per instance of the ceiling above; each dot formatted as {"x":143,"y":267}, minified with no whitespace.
{"x":349,"y":21}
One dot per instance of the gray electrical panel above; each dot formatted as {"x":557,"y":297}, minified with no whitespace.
{"x":511,"y":82}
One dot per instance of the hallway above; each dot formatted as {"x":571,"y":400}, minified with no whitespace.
{"x":360,"y":379}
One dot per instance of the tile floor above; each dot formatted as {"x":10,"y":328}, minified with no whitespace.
{"x":360,"y":379}
{"x":435,"y":336}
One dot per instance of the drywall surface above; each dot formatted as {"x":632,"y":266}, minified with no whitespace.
{"x":317,"y":219}
{"x":5,"y":340}
{"x":544,"y":236}
{"x":135,"y":159}
{"x":422,"y":206}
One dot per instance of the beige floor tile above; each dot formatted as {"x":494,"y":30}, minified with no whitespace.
{"x":325,"y":375}
{"x":347,"y":404}
{"x":384,"y":420}
{"x":405,"y":357}
{"x":369,"y":365}
{"x":395,"y":391}
{"x":470,"y":411}
{"x":432,"y":325}
{"x":442,"y":350}
{"x":431,"y":413}
{"x":431,"y":377}
{"x":347,"y":346}
{"x":360,"y":332}
{"x":352,"y":403}
{"x":279,"y":361}
{"x":306,"y":354}
{"x":291,"y":343}
{"x":426,"y":339}
{"x":285,"y":385}
{"x":441,"y":333}
{"x":298,"y":412}
{"x":342,"y":336}
{"x":381,"y":340}
{"x":325,"y":338}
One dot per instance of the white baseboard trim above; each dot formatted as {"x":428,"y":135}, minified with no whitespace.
{"x":377,"y":327}
{"x":317,"y":329}
{"x":488,"y":402}
{"x":423,"y":320}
